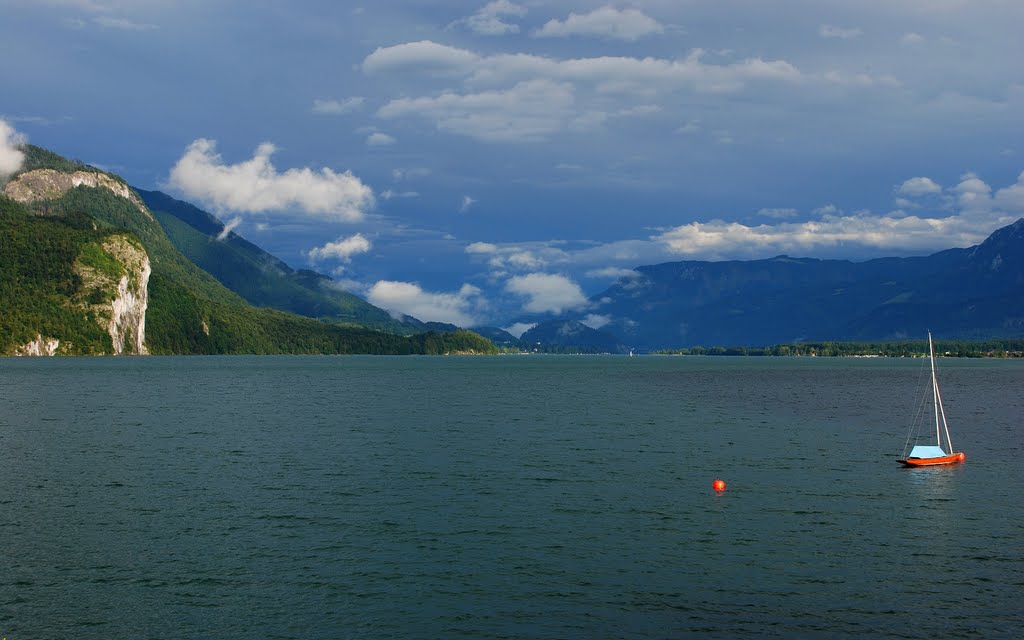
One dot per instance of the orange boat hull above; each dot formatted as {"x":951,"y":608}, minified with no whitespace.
{"x":929,"y":462}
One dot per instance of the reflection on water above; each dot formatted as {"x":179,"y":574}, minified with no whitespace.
{"x":934,"y":483}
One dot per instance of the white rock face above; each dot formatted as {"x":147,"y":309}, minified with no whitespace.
{"x":127,"y":327}
{"x":46,"y":184}
{"x":39,"y":347}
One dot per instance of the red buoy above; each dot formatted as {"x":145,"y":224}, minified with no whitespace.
{"x":718,"y":485}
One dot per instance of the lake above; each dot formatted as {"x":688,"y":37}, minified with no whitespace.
{"x":505,"y":497}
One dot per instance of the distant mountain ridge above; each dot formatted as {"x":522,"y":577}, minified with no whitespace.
{"x":972,"y":293}
{"x":556,"y":336}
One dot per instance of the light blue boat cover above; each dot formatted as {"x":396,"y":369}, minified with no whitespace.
{"x":927,"y":451}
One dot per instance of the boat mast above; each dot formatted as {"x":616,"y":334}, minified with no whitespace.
{"x":937,"y":397}
{"x":935,"y":389}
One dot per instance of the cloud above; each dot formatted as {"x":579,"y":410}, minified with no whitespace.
{"x":596,"y":321}
{"x":467,"y":202}
{"x":979,"y":213}
{"x":488,"y":20}
{"x":231,"y":225}
{"x":519,"y":328}
{"x":1012,"y":198}
{"x":518,"y":257}
{"x":528,"y":112}
{"x":407,"y":174}
{"x":611,"y":273}
{"x":919,"y":187}
{"x":481,"y":247}
{"x":547,"y":292}
{"x":341,"y":249}
{"x":973,"y":210}
{"x":778,"y":213}
{"x":609,"y":74}
{"x":529,"y":98}
{"x":911,"y":39}
{"x":693,"y":126}
{"x":124,"y":24}
{"x":829,"y":31}
{"x":522,"y":260}
{"x":338,"y":107}
{"x":606,"y":22}
{"x":408,"y":298}
{"x":388,"y":194}
{"x":256,"y":186}
{"x":973,"y":194}
{"x":424,"y":57}
{"x":379,"y":139}
{"x":11,"y":157}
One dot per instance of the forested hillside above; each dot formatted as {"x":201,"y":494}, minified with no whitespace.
{"x":189,"y":311}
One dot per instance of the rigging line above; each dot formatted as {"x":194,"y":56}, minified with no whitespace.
{"x":917,"y":415}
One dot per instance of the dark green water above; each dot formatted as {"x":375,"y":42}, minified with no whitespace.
{"x":506,"y":497}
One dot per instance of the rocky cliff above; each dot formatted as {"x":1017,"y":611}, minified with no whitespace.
{"x":39,"y":347}
{"x":49,"y":184}
{"x":111,"y":273}
{"x":115,"y":288}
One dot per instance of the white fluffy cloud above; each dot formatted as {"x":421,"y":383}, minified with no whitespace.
{"x":547,"y":292}
{"x":255,"y":185}
{"x":919,"y":186}
{"x":378,"y":139}
{"x":1012,"y":198}
{"x":407,"y":298}
{"x":342,"y":249}
{"x":606,"y":73}
{"x":526,"y":97}
{"x":518,"y":257}
{"x":11,"y":156}
{"x":489,"y":20}
{"x":980,"y":213}
{"x":423,"y":57}
{"x":519,"y":328}
{"x":977,"y":212}
{"x":481,"y":247}
{"x":528,"y":112}
{"x":605,"y":22}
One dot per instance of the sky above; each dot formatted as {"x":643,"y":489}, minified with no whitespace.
{"x":471,"y":162}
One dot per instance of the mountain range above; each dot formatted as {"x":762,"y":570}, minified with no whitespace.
{"x":91,"y":265}
{"x":967,"y":294}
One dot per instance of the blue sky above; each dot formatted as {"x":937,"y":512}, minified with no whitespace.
{"x":469,"y":161}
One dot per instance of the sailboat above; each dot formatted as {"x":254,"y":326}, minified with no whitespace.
{"x":928,"y":454}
